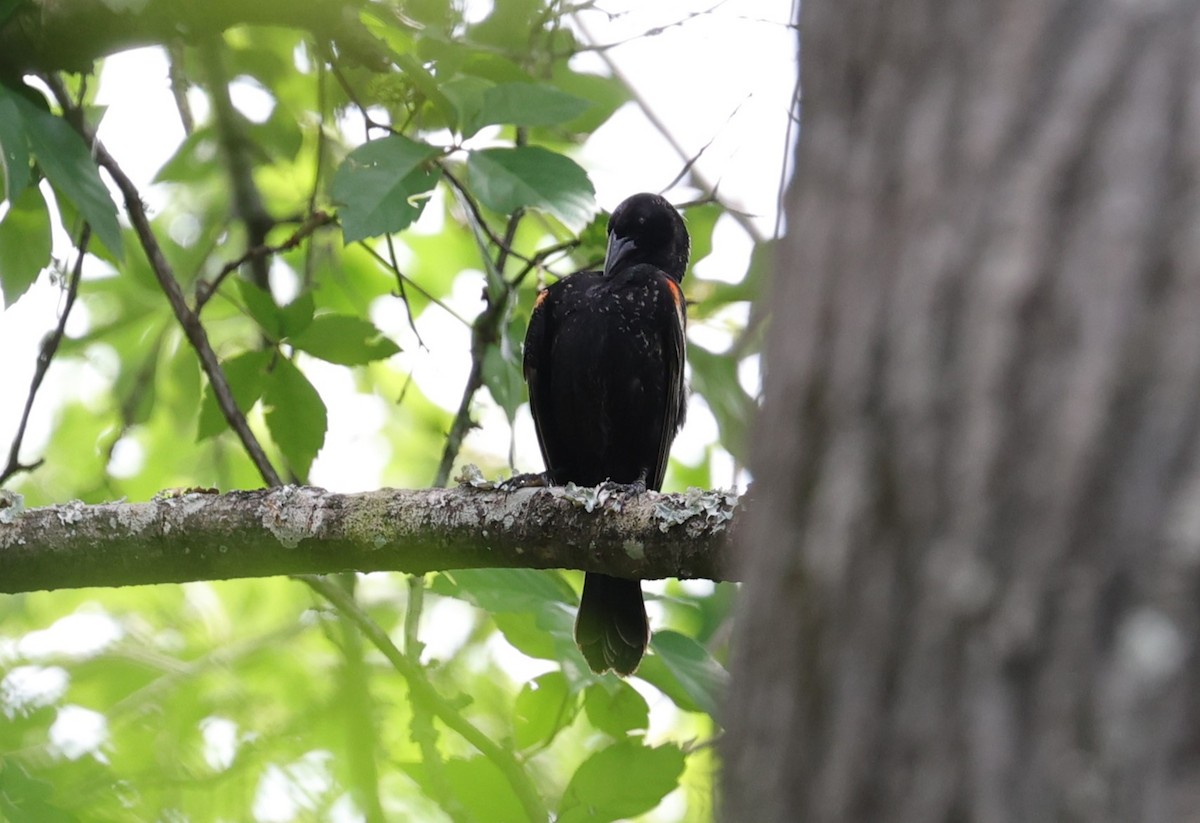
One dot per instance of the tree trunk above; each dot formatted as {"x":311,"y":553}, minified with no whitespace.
{"x":973,"y":586}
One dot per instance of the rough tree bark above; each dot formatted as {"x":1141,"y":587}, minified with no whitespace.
{"x":973,"y":590}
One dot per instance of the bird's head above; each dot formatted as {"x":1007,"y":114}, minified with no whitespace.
{"x":646,"y":228}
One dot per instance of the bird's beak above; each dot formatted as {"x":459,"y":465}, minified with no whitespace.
{"x":619,"y":249}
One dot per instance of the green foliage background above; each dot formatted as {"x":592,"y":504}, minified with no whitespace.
{"x":256,"y":699}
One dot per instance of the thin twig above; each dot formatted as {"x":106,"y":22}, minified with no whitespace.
{"x":792,"y":126}
{"x":485,"y":332}
{"x":205,"y":289}
{"x":192,"y":327}
{"x":179,"y":86}
{"x":420,"y":689}
{"x":45,"y":356}
{"x":504,"y":246}
{"x":476,"y":212}
{"x":368,"y":121}
{"x":695,"y":158}
{"x":420,"y":289}
{"x":395,"y":266}
{"x":539,"y":259}
{"x":656,"y":121}
{"x":651,"y":32}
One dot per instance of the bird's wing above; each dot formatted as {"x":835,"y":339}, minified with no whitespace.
{"x":674,"y":310}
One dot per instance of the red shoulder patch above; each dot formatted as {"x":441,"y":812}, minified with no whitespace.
{"x":676,"y":292}
{"x":541,"y":298}
{"x":677,"y":299}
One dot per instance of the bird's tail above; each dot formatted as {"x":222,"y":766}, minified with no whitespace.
{"x":611,"y":627}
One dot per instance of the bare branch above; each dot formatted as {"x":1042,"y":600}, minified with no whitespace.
{"x":298,"y":530}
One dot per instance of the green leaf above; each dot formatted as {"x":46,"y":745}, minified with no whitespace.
{"x":344,"y":339}
{"x":262,"y":308}
{"x":7,"y":7}
{"x":297,"y":316}
{"x":532,"y":608}
{"x":379,"y":186}
{"x":425,"y":82}
{"x":506,"y":590}
{"x":526,"y":104}
{"x":624,"y":780}
{"x":547,"y":634}
{"x":14,"y":146}
{"x":543,"y":707}
{"x":276,"y":321}
{"x":246,"y":374}
{"x":466,"y":95}
{"x":65,"y":159}
{"x":605,"y":95}
{"x":135,"y":384}
{"x":506,"y":180}
{"x":502,"y":375}
{"x":701,"y":220}
{"x":616,"y":708}
{"x":296,"y":415}
{"x":194,"y":161}
{"x":27,"y":799}
{"x":715,"y":378}
{"x":478,"y":785}
{"x":684,"y":670}
{"x":24,"y":243}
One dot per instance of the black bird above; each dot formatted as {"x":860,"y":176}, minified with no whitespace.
{"x":604,"y":358}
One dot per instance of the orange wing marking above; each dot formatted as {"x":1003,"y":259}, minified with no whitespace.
{"x":677,"y":297}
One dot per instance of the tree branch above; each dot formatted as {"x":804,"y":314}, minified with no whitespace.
{"x":46,"y":354}
{"x":297,"y":530}
{"x":192,"y":327}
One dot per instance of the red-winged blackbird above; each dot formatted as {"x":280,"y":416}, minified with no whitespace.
{"x":604,"y":360}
